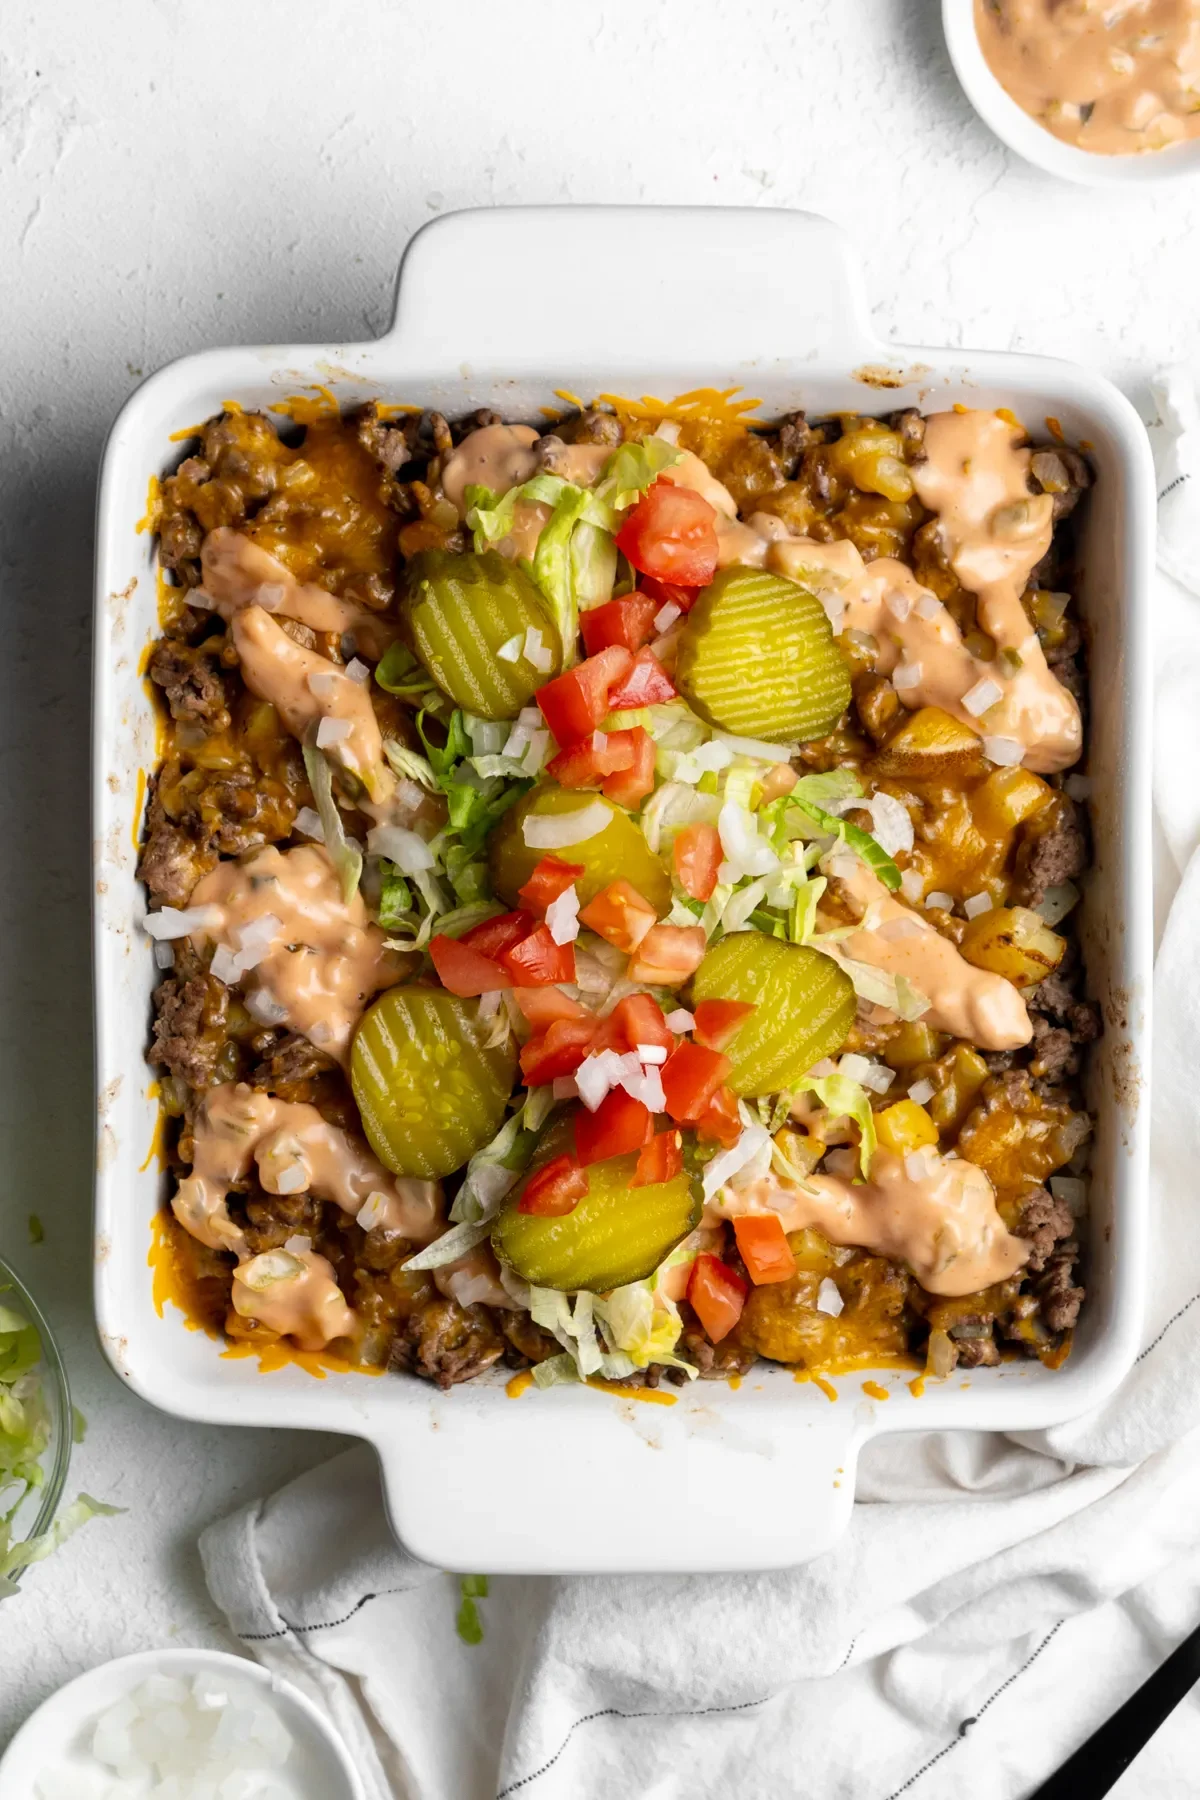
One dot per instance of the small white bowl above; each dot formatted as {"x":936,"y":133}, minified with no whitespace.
{"x":1032,"y":141}
{"x":54,"y":1735}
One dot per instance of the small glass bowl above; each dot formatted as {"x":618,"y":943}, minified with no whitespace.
{"x":37,"y":1510}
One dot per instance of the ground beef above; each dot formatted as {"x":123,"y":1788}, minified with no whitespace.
{"x":1058,"y":1297}
{"x":390,"y":442}
{"x":878,"y":704}
{"x":1053,"y":848}
{"x":447,"y":1343}
{"x":1045,"y":1221}
{"x":189,"y":1027}
{"x":172,"y":861}
{"x":191,"y":681}
{"x":439,"y":430}
{"x":715,"y":1362}
{"x":1056,"y":1000}
{"x":980,"y":1352}
{"x":234,"y":810}
{"x":794,"y":437}
{"x":591,"y":426}
{"x":271,"y":1219}
{"x":911,"y":427}
{"x":1054,"y":1054}
{"x":527,"y":1342}
{"x":474,"y":421}
{"x":179,"y":541}
{"x":292,"y":1062}
{"x":1063,"y":474}
{"x":551,"y":453}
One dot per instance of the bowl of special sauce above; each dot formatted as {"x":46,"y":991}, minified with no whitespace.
{"x":1093,"y":91}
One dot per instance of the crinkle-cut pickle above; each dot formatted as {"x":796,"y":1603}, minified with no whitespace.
{"x":429,"y":1091}
{"x":461,"y":609}
{"x":617,"y":853}
{"x":757,"y":657}
{"x":803,"y":1008}
{"x":614,"y":1235}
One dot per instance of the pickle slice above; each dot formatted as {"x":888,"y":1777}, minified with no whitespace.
{"x":429,"y":1092}
{"x":757,"y":657}
{"x":614,"y":1235}
{"x":461,"y":611}
{"x":803,"y":1008}
{"x":619,"y":852}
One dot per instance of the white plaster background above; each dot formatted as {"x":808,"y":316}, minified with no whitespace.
{"x":176,"y":175}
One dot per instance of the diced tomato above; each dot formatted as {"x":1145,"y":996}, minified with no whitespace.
{"x":646,"y":684}
{"x":542,"y":1006}
{"x":672,"y":534}
{"x":628,"y":623}
{"x":630,"y":787}
{"x":668,"y":954}
{"x":620,"y":914}
{"x":619,"y":1125}
{"x":717,"y":1020}
{"x":554,"y":1189}
{"x":537,"y":961}
{"x":720,"y":1122}
{"x":551,"y":878}
{"x":464,"y":971}
{"x":589,"y":762}
{"x":716,"y":1294}
{"x":697,"y":857}
{"x":574,"y":704}
{"x":668,"y":593}
{"x":764,"y":1248}
{"x":638,"y":1019}
{"x":691,"y":1076}
{"x":558,"y":1050}
{"x":659,"y":1160}
{"x":492,"y":937}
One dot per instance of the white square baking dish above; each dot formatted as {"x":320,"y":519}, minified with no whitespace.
{"x":770,"y":301}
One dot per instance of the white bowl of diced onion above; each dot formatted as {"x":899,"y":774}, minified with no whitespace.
{"x":197,"y":1724}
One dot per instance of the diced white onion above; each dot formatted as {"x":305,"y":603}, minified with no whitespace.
{"x":320,"y":1032}
{"x":308,"y":821}
{"x":201,"y":600}
{"x":407,"y":849}
{"x":1079,"y":787}
{"x":978,"y":903}
{"x":557,"y":831}
{"x":829,"y":1300}
{"x":565,"y":1088}
{"x":260,"y":932}
{"x":906,"y":676}
{"x":357,"y":670}
{"x":746,"y":852}
{"x":891,"y":824}
{"x":667,"y":430}
{"x":535,"y":652}
{"x":530,"y":717}
{"x":651,"y":1053}
{"x":517,"y":742}
{"x":943,"y":902}
{"x":898,"y":603}
{"x":489,"y":1004}
{"x":903,"y":925}
{"x":331,"y":732}
{"x":562,"y":916}
{"x":853,"y":1066}
{"x":510,"y":651}
{"x":666,"y":615}
{"x":928,"y":606}
{"x":922,"y":1092}
{"x":912,"y":886}
{"x":1057,"y":902}
{"x":680,"y":1021}
{"x":878,"y":1078}
{"x":164,"y":956}
{"x":596,"y":1076}
{"x":292,"y":1180}
{"x":175,"y":922}
{"x":263,"y":1006}
{"x":535,"y":757}
{"x":270,"y":595}
{"x":271,"y":1266}
{"x":919,"y":1165}
{"x":724,"y":1166}
{"x":372,"y":1212}
{"x":1005,"y":752}
{"x":977,"y":699}
{"x":225,"y":965}
{"x":835,"y":609}
{"x":647,"y":1087}
{"x":301,"y":1245}
{"x":323,"y":683}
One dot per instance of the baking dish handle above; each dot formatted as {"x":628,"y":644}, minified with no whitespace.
{"x":556,"y":290}
{"x":570,"y":1481}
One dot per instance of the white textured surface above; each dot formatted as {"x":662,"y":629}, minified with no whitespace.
{"x":177,"y":176}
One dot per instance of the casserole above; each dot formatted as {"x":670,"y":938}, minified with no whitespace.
{"x":654,"y":1487}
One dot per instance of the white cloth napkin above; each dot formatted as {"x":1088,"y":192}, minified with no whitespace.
{"x":993,"y":1600}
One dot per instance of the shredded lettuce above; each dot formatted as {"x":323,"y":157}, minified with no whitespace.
{"x":408,"y":764}
{"x":395,"y":897}
{"x":496,"y":1168}
{"x":643,"y":1324}
{"x":805,"y":811}
{"x":345,"y":856}
{"x":25,"y":1433}
{"x":838,"y":1094}
{"x":475,"y":802}
{"x":450,"y":1246}
{"x":399,"y":672}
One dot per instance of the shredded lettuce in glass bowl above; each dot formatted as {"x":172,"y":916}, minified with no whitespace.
{"x":36,"y":1434}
